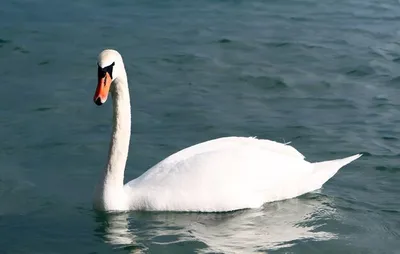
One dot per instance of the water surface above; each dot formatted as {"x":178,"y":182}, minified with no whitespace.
{"x":322,"y":74}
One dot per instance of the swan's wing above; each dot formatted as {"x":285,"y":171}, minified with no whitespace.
{"x":221,"y":177}
{"x":227,"y":143}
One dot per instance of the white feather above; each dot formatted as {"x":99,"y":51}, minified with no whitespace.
{"x":228,"y":174}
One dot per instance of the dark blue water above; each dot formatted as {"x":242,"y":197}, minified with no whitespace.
{"x":322,"y":74}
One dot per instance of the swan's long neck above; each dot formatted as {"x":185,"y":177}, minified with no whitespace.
{"x":121,"y":133}
{"x":110,"y":194}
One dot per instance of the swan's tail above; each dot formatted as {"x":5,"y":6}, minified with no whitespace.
{"x":324,"y":170}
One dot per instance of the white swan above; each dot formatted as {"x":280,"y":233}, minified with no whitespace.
{"x":223,"y":174}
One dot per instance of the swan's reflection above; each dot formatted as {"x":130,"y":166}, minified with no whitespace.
{"x":114,"y":229}
{"x":276,"y":225}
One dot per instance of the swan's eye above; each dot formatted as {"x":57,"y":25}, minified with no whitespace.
{"x":101,"y":72}
{"x":109,"y":69}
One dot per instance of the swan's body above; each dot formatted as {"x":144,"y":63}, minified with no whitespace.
{"x":224,"y":174}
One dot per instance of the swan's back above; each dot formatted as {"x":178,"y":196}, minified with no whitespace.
{"x":229,"y":143}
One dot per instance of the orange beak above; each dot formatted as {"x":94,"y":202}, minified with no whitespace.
{"x":103,"y":87}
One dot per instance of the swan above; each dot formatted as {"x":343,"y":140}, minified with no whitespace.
{"x":224,"y":174}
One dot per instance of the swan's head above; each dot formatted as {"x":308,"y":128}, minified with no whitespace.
{"x":109,"y":68}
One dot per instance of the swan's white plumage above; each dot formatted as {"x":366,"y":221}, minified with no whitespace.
{"x":227,"y":174}
{"x":218,"y":175}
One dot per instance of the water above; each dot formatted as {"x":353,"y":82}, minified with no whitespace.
{"x":322,"y":74}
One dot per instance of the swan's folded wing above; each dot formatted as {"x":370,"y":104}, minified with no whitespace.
{"x":224,"y":144}
{"x":220,"y":180}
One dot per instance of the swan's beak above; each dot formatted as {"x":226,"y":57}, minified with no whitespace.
{"x":103,"y":87}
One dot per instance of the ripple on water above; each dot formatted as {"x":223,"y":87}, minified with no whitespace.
{"x":360,"y":71}
{"x":46,"y":62}
{"x":224,"y":40}
{"x":4,"y":42}
{"x":288,"y":44}
{"x":264,"y":82}
{"x":184,"y":58}
{"x":390,"y":138}
{"x":390,"y":169}
{"x":394,"y":81}
{"x":20,"y":50}
{"x":41,"y":109}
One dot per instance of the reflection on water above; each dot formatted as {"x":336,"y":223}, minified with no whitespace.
{"x":276,"y":225}
{"x":114,"y":229}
